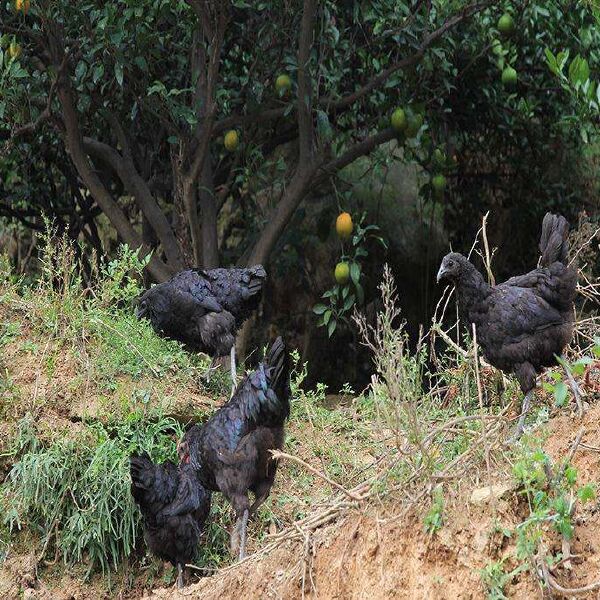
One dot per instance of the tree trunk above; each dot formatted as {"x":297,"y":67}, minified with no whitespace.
{"x":292,"y":197}
{"x":208,"y":206}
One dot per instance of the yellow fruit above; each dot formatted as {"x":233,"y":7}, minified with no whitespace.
{"x":342,"y":273}
{"x":438,"y":182}
{"x":14,"y":50}
{"x":399,"y":122}
{"x":231,"y":140}
{"x":506,"y":25}
{"x":22,"y":5}
{"x":343,"y":225}
{"x":509,"y":77}
{"x":283,"y":84}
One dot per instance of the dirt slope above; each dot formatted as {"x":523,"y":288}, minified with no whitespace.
{"x":364,"y":556}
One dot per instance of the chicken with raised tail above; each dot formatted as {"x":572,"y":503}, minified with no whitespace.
{"x":525,"y":323}
{"x":231,"y":452}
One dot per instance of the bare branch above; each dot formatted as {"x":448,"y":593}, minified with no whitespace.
{"x":357,"y":150}
{"x":138,"y":188}
{"x":305,"y":124}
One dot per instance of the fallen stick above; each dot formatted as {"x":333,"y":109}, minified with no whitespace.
{"x":277,"y":454}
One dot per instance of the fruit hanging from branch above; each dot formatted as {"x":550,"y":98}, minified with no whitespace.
{"x":22,"y":6}
{"x":398,"y":120}
{"x":231,"y":140}
{"x":344,"y":225}
{"x":509,"y":77}
{"x":283,"y":84}
{"x":342,"y":273}
{"x":506,"y":25}
{"x":438,"y":183}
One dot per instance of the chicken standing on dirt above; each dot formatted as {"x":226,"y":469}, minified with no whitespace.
{"x":174,"y":507}
{"x":204,"y":308}
{"x":524,"y":323}
{"x":231,"y":451}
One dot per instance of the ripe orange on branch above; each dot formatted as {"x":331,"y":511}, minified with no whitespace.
{"x":344,"y":225}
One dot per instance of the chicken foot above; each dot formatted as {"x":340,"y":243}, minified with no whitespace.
{"x":573,"y":385}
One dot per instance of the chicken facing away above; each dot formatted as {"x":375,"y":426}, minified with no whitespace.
{"x":524,"y":323}
{"x":204,"y":308}
{"x":174,"y":507}
{"x":231,"y":451}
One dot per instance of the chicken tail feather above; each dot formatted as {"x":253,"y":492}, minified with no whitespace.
{"x":554,"y":246}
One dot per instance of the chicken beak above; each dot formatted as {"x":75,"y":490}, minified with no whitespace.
{"x":441,"y":273}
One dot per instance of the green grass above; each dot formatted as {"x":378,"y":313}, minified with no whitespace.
{"x":74,"y":489}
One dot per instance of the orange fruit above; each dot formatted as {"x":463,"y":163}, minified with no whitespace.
{"x":22,"y":5}
{"x":342,"y":273}
{"x":231,"y":140}
{"x":343,"y":225}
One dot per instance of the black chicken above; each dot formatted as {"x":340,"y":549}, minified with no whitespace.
{"x":204,"y":309}
{"x":174,"y":506}
{"x":524,"y":323}
{"x":231,"y":451}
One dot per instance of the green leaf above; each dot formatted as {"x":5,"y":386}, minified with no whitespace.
{"x":355,"y":272}
{"x":349,"y":302}
{"x":560,"y":393}
{"x":360,"y":294}
{"x":327,"y":316}
{"x":119,"y":73}
{"x":80,"y":70}
{"x":331,"y":327}
{"x":98,"y":72}
{"x":587,"y":493}
{"x":571,"y":475}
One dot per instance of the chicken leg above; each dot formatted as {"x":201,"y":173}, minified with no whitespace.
{"x":521,"y":424}
{"x":209,"y":370}
{"x":233,"y":370}
{"x":179,"y":576}
{"x":243,"y":533}
{"x":238,"y":535}
{"x":573,"y":385}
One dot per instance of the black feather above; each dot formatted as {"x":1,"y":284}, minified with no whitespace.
{"x":231,"y":451}
{"x":525,"y":322}
{"x":174,"y":507}
{"x":203,"y":308}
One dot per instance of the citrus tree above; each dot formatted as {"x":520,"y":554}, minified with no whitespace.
{"x":168,"y":110}
{"x":174,"y":119}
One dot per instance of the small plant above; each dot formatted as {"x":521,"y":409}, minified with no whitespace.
{"x":434,"y":518}
{"x":495,"y":578}
{"x":552,"y":496}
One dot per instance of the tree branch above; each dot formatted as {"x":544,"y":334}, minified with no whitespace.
{"x":305,"y":123}
{"x":427,"y":41}
{"x":74,"y":145}
{"x":351,"y":154}
{"x":138,"y":188}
